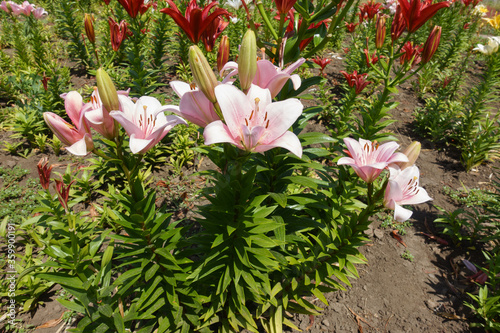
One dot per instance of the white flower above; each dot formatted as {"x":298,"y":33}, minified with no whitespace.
{"x":234,"y":20}
{"x":490,"y":48}
{"x":235,"y":4}
{"x":480,"y":10}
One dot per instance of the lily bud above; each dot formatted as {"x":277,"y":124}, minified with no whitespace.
{"x":223,"y":53}
{"x":202,"y":73}
{"x":247,"y":60}
{"x":412,"y":152}
{"x":107,"y":91}
{"x":89,"y":27}
{"x":398,"y":24}
{"x":431,"y":44}
{"x":380,"y":38}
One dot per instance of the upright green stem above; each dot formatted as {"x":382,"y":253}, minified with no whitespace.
{"x":263,"y":13}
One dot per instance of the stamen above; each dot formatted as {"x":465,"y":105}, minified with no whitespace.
{"x":257,"y":100}
{"x":192,"y":85}
{"x":246,"y":121}
{"x":251,"y":115}
{"x":267,"y":124}
{"x":265,"y":118}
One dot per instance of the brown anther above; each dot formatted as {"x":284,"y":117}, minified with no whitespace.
{"x":251,"y":115}
{"x":246,"y":121}
{"x":265,"y":117}
{"x":267,"y":124}
{"x":192,"y":85}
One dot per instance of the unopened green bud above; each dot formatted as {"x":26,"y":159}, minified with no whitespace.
{"x":107,"y":91}
{"x":203,"y":74}
{"x":247,"y":60}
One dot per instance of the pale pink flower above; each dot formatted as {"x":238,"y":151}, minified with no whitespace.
{"x":144,"y":122}
{"x":39,"y":13}
{"x":194,"y":105}
{"x":269,"y":76}
{"x":5,"y":6}
{"x":368,"y":159}
{"x":16,"y":9}
{"x":252,"y":122}
{"x":98,"y":117}
{"x":77,"y":137}
{"x":403,"y":189}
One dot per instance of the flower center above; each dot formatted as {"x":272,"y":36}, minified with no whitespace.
{"x":147,"y":122}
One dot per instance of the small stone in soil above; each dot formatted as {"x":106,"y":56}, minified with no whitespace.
{"x":378,"y":233}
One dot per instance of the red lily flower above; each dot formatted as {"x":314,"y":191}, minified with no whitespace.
{"x":369,"y":10}
{"x":351,"y":26}
{"x":118,"y":32}
{"x":411,"y":52}
{"x":283,"y":6}
{"x":416,"y":13}
{"x":44,"y":172}
{"x":196,"y":20}
{"x":134,"y":7}
{"x":213,"y":32}
{"x":45,"y":82}
{"x":63,"y":192}
{"x":370,"y":59}
{"x":306,"y":41}
{"x":356,"y":81}
{"x":322,"y":62}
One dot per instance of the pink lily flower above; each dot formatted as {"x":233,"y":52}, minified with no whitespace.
{"x":194,"y":105}
{"x":144,"y":122}
{"x":98,"y":117}
{"x":368,"y":159}
{"x":77,"y":137}
{"x":39,"y":13}
{"x":403,"y":189}
{"x":16,"y":9}
{"x":5,"y":6}
{"x":252,"y":122}
{"x":269,"y":76}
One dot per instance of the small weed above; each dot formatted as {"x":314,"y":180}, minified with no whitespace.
{"x":388,"y":222}
{"x":470,"y":198}
{"x":406,"y":255}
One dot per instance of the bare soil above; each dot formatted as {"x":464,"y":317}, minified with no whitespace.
{"x":392,"y":294}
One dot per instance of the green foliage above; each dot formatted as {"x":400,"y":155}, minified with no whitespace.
{"x":69,"y":23}
{"x":17,"y":198}
{"x":472,"y":198}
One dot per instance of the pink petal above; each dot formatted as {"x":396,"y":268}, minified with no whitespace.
{"x":294,"y":66}
{"x":73,"y":104}
{"x":130,"y":127}
{"x":282,"y":115}
{"x":196,"y":108}
{"x":401,"y":214}
{"x":137,"y":145}
{"x":393,"y":193}
{"x":180,"y":88}
{"x":235,"y":107}
{"x":345,"y":161}
{"x":218,"y":132}
{"x":289,"y":141}
{"x":81,"y":147}
{"x":296,"y":81}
